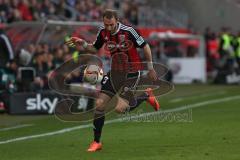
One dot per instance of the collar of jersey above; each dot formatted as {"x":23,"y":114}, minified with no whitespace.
{"x":119,"y":26}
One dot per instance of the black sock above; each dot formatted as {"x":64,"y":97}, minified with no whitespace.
{"x":98,"y":123}
{"x":136,"y":102}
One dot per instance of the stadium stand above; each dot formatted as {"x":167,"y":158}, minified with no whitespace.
{"x":40,"y":53}
{"x":135,"y":12}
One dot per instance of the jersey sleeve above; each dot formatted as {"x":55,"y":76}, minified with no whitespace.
{"x":137,"y":38}
{"x":98,"y":43}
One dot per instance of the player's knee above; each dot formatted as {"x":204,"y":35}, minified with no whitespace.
{"x":99,"y":103}
{"x":119,"y":110}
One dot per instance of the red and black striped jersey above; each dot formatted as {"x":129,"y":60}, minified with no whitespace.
{"x":125,"y":40}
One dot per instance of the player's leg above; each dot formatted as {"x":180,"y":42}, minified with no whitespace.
{"x":135,"y":101}
{"x":122,"y":105}
{"x":98,"y":121}
{"x":105,"y":96}
{"x":128,"y":103}
{"x":99,"y":115}
{"x":146,"y":96}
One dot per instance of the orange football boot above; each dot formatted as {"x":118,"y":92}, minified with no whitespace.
{"x":152,"y":99}
{"x":94,"y":146}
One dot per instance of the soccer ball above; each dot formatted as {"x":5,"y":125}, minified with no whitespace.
{"x":93,"y":74}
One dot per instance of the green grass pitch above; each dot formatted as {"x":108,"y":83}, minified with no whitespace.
{"x":210,"y":132}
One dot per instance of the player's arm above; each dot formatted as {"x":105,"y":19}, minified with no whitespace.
{"x":90,"y":47}
{"x":75,"y":41}
{"x":140,"y":43}
{"x":148,"y":55}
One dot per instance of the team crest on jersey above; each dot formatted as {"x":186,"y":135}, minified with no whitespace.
{"x":122,"y":37}
{"x":106,"y":38}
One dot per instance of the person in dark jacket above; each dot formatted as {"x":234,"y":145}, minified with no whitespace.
{"x":6,"y":49}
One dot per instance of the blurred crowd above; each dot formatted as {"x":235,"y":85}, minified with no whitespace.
{"x":36,"y":62}
{"x":29,"y":70}
{"x":84,"y":10}
{"x":222,"y":52}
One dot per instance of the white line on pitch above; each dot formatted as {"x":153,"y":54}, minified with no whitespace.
{"x":16,"y":127}
{"x":175,"y":100}
{"x":62,"y":131}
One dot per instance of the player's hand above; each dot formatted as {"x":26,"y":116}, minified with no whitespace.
{"x":152,"y":75}
{"x":74,"y":41}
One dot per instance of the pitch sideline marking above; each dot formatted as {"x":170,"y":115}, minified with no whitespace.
{"x":16,"y":127}
{"x":195,"y":105}
{"x":175,"y":100}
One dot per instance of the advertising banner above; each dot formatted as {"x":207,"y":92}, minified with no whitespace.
{"x":42,"y":103}
{"x":188,"y":70}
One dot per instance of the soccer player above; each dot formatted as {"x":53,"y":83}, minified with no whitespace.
{"x":114,"y":31}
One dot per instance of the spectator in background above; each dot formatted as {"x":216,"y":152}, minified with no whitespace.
{"x":237,"y":50}
{"x":24,"y":10}
{"x":71,"y":3}
{"x":6,"y":50}
{"x":4,"y":11}
{"x":3,"y":18}
{"x":207,"y":38}
{"x":61,"y":10}
{"x":35,"y":9}
{"x":134,"y":15}
{"x":130,"y":11}
{"x":58,"y":57}
{"x":42,"y":60}
{"x":26,"y":55}
{"x":8,"y":83}
{"x":67,"y":57}
{"x":213,"y":54}
{"x":11,"y":73}
{"x":14,"y":16}
{"x":226,"y":54}
{"x":43,"y":65}
{"x":37,"y":85}
{"x":225,"y":47}
{"x":95,"y":13}
{"x":65,"y":49}
{"x":172,"y":48}
{"x":45,"y":8}
{"x":39,"y":49}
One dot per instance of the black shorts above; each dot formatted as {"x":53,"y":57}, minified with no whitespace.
{"x":125,"y":87}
